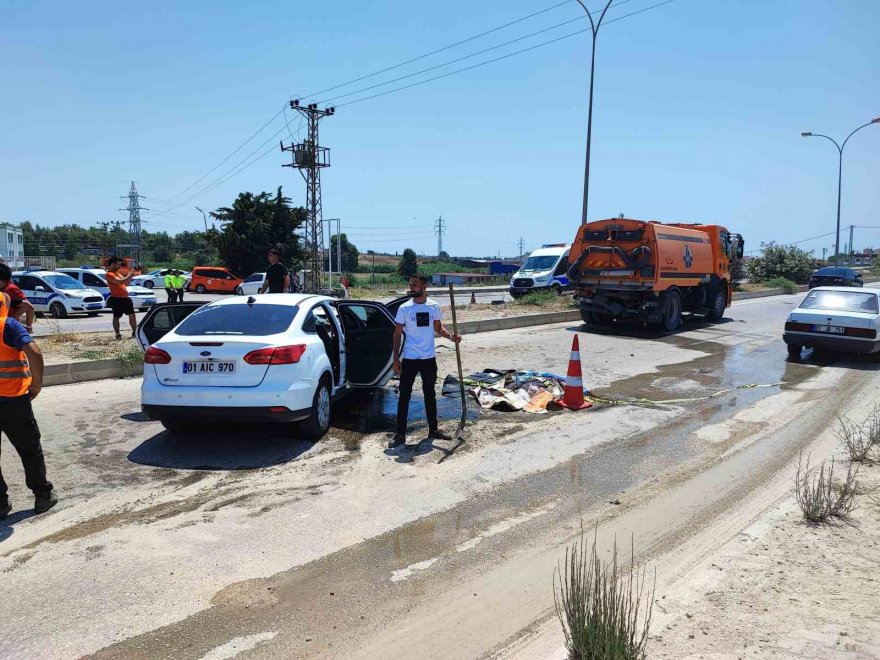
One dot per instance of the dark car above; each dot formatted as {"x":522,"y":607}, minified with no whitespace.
{"x":835,"y":276}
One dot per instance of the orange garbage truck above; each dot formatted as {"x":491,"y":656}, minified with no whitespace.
{"x":623,"y":268}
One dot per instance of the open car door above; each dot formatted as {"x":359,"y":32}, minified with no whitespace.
{"x":163,"y":317}
{"x":369,"y":337}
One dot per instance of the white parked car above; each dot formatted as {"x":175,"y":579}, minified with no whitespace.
{"x":95,"y":278}
{"x":155,"y":278}
{"x":272,"y":358}
{"x":60,"y":295}
{"x":251,"y":285}
{"x":836,"y":319}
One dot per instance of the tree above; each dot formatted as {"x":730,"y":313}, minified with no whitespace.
{"x":408,"y":265}
{"x":443,"y":256}
{"x":350,"y":255}
{"x":252,"y":225}
{"x":786,"y":261}
{"x":737,"y":270}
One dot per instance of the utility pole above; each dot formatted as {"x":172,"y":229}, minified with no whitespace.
{"x":521,"y":244}
{"x":850,"y":261}
{"x":310,"y":158}
{"x":134,"y":222}
{"x":440,"y":229}
{"x":824,"y":250}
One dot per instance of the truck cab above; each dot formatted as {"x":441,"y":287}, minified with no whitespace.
{"x":545,"y":269}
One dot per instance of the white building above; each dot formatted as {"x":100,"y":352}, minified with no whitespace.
{"x":12,"y":245}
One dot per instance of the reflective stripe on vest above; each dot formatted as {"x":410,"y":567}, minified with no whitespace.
{"x":15,"y":374}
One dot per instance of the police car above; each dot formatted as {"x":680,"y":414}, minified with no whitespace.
{"x":51,"y":292}
{"x":95,"y":278}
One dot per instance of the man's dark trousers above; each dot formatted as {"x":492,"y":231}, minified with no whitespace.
{"x":18,"y":424}
{"x":172,"y":295}
{"x":427,"y":369}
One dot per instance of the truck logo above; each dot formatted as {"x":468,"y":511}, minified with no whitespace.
{"x":688,"y":257}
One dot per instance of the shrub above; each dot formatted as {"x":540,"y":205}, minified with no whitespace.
{"x":819,"y":496}
{"x":786,"y":261}
{"x":599,"y":605}
{"x":782,"y":283}
{"x":860,"y":440}
{"x":537,"y":298}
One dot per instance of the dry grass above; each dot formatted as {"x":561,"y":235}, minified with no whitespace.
{"x":820,"y":496}
{"x":860,"y":440}
{"x":599,"y":605}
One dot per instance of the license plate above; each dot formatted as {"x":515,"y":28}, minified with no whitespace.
{"x":94,"y":306}
{"x":208,"y":367}
{"x":832,"y":329}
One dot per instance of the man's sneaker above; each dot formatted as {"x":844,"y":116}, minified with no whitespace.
{"x":439,"y":435}
{"x":396,"y":440}
{"x":5,"y":508}
{"x":43,"y":503}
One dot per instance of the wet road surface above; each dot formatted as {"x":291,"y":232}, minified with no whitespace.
{"x":281,"y":548}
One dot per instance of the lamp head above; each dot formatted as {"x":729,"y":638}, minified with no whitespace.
{"x":808,"y":134}
{"x":876,"y":121}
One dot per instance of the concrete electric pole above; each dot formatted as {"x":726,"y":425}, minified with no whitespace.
{"x":310,"y":158}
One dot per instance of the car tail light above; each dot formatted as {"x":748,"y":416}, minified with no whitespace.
{"x":867,"y":333}
{"x":279,"y":355}
{"x":798,"y":327}
{"x":156,"y":356}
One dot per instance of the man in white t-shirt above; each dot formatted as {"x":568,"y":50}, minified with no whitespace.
{"x":419,"y":318}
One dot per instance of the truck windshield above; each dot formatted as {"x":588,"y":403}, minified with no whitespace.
{"x":540,"y":263}
{"x":841,"y":301}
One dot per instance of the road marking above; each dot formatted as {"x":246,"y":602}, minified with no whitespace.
{"x":404,"y":573}
{"x":238,"y":645}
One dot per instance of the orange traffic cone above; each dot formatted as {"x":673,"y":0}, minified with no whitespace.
{"x":573,"y":397}
{"x":473,"y":298}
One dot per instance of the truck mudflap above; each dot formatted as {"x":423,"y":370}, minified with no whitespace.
{"x":635,"y":260}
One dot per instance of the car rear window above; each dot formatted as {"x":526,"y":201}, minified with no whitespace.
{"x":240,"y":319}
{"x":849,"y":301}
{"x":833,"y":272}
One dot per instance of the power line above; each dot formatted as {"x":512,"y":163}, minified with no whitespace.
{"x":498,"y":59}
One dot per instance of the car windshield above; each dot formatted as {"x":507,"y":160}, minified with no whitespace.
{"x":847,"y":301}
{"x":240,"y":319}
{"x":540,"y":263}
{"x":62,"y":282}
{"x":833,"y":272}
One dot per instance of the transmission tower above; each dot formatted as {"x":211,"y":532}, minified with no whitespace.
{"x":440,"y":229}
{"x":310,"y":158}
{"x":134,"y":221}
{"x":521,"y":244}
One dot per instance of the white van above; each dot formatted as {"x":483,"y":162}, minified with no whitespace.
{"x":96,"y":278}
{"x":51,"y":292}
{"x":546,"y":269}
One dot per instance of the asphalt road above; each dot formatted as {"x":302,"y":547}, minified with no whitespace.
{"x":244,"y":542}
{"x":83,"y":323}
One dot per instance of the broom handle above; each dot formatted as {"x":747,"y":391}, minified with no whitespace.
{"x":457,"y":349}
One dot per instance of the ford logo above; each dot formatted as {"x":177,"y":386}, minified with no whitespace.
{"x":205,"y":353}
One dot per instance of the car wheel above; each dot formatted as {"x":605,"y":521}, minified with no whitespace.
{"x":717,"y":305}
{"x":57,"y":310}
{"x":238,"y":291}
{"x":92,"y":314}
{"x":794,"y":352}
{"x":200,"y":288}
{"x":671,"y":310}
{"x":318,"y":423}
{"x":556,"y":289}
{"x":149,"y":284}
{"x":177,"y":428}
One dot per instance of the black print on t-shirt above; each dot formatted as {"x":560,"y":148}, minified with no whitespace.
{"x":422,"y":319}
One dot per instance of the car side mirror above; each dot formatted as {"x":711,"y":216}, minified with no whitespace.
{"x":39,"y":288}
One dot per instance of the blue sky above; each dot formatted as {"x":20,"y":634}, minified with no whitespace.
{"x":699,"y":106}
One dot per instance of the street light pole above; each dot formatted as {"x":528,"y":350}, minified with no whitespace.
{"x":839,"y":177}
{"x":595,"y":31}
{"x":205,"y":218}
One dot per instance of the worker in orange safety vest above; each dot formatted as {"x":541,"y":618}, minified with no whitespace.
{"x":21,"y":379}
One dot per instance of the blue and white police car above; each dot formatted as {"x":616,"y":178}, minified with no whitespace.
{"x":51,"y":292}
{"x":546,"y":269}
{"x":142,"y":298}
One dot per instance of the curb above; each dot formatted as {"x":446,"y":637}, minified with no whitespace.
{"x":490,"y":325}
{"x":68,"y":373}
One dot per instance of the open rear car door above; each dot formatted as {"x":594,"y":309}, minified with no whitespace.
{"x":163,"y":317}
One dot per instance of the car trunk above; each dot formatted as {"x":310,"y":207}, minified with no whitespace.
{"x":826,"y":317}
{"x":211,"y":363}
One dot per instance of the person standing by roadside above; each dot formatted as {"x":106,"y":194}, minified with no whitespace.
{"x":277,"y":280}
{"x":419,"y":318}
{"x":294,"y":282}
{"x":21,"y":379}
{"x":179,"y":282}
{"x":169,"y":286}
{"x":19,"y":305}
{"x":119,"y":301}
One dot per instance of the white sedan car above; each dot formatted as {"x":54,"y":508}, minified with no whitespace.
{"x":273,"y":358}
{"x":836,"y":319}
{"x":251,"y":285}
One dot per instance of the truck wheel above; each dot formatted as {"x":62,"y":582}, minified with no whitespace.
{"x":595,"y":318}
{"x":671,"y":310}
{"x":717,"y":304}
